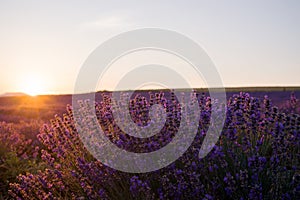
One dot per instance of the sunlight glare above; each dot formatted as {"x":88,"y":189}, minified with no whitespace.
{"x":32,"y":86}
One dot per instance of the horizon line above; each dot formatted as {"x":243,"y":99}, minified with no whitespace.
{"x":233,"y":89}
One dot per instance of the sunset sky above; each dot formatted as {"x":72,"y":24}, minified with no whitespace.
{"x":43,"y":44}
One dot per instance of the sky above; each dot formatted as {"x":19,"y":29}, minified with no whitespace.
{"x":43,"y":44}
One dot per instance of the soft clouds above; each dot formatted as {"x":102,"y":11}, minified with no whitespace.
{"x":108,"y":22}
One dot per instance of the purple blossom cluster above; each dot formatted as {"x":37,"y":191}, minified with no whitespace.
{"x":18,"y":152}
{"x":292,"y":105}
{"x":256,"y":157}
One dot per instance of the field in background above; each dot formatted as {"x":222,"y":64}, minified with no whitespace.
{"x":45,"y":107}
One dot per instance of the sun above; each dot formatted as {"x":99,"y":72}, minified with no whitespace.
{"x":32,"y":85}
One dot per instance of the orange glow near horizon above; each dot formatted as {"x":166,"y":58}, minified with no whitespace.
{"x":32,"y":85}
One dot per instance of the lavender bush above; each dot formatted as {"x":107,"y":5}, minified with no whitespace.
{"x":18,"y":152}
{"x":256,"y":157}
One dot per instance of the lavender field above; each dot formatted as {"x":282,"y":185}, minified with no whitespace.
{"x":256,"y":157}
